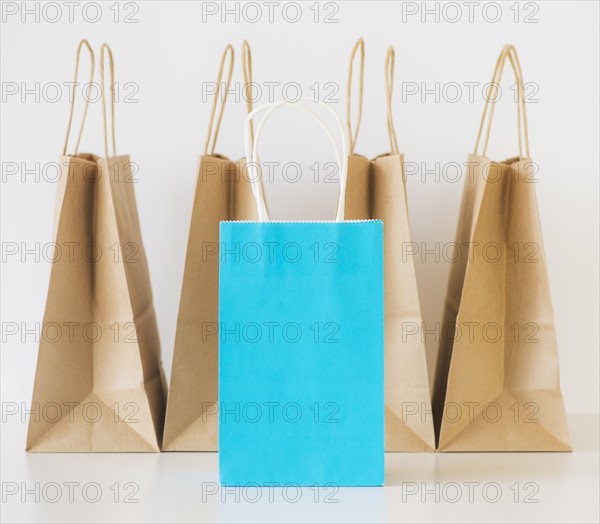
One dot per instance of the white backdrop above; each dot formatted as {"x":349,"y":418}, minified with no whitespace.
{"x":168,"y":61}
{"x":167,"y":56}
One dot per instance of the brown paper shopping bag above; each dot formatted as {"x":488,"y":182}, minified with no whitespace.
{"x":497,"y":383}
{"x":223,"y":192}
{"x":99,"y":383}
{"x":377,"y":189}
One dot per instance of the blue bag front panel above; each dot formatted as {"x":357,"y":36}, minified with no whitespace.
{"x":301,"y":353}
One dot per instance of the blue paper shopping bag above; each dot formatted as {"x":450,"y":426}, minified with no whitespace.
{"x":301,"y":347}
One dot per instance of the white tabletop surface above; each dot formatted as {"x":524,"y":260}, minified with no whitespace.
{"x":183,"y":487}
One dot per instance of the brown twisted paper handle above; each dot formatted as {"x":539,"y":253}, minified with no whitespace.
{"x":360,"y":44}
{"x":508,"y":51}
{"x":85,"y":43}
{"x":215,"y":132}
{"x":111,"y":87}
{"x":390,"y":59}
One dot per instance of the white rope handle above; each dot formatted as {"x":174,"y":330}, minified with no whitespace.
{"x":251,"y":149}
